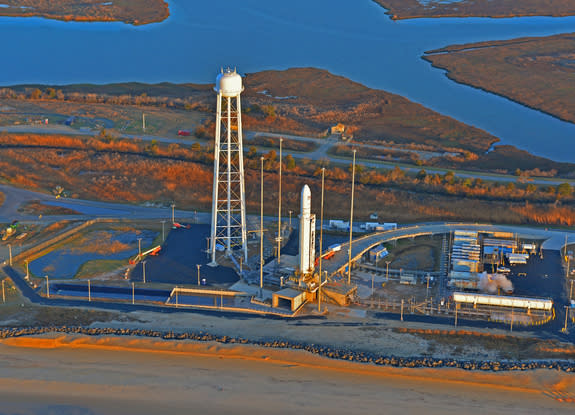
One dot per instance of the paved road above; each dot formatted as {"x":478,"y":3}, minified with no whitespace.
{"x":320,"y":153}
{"x":554,"y":239}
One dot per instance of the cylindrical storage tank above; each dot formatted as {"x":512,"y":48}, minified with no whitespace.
{"x":229,"y":84}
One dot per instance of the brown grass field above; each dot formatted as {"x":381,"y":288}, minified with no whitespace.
{"x":134,"y":172}
{"x":536,"y":72}
{"x":136,"y":12}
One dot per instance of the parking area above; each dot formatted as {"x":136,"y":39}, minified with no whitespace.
{"x":540,"y":277}
{"x":176,"y":263}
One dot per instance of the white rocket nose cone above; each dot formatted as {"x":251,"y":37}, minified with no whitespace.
{"x":305,"y":200}
{"x":305,"y":192}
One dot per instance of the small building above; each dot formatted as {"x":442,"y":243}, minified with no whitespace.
{"x":369,"y":226}
{"x":338,"y":293}
{"x":289,"y":297}
{"x":389,"y":226}
{"x":338,"y":224}
{"x":377,"y":253}
{"x":407,"y":279}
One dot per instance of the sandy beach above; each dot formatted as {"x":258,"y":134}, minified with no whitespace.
{"x":112,"y":375}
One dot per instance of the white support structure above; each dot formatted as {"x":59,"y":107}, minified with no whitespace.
{"x":504,"y":301}
{"x":228,"y":202}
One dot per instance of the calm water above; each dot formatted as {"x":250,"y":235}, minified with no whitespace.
{"x":66,"y":262}
{"x":353,"y":38}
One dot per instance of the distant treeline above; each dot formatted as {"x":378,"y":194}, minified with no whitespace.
{"x":120,"y":170}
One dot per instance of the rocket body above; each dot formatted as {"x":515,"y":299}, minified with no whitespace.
{"x":306,"y":233}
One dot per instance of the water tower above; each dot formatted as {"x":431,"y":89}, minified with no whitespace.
{"x":228,"y":202}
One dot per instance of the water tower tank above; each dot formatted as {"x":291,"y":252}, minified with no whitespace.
{"x":229,"y":83}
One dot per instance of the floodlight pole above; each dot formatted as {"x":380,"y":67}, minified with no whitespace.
{"x":351,"y":218}
{"x":173,"y":213}
{"x":89,"y":291}
{"x":198,"y":267}
{"x":3,"y":292}
{"x":280,"y":205}
{"x":321,"y":239}
{"x":47,"y":287}
{"x":261,"y":226}
{"x":163,"y":231}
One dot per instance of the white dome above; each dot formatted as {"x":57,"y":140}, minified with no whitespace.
{"x":229,"y":84}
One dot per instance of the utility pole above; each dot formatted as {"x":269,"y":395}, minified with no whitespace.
{"x":133,"y":293}
{"x":3,"y":292}
{"x":10,"y":253}
{"x":456,"y":308}
{"x":280,"y":206}
{"x":290,"y":212}
{"x":566,"y":318}
{"x":198,"y":267}
{"x":47,"y":287}
{"x":173,"y":213}
{"x":571,"y":291}
{"x":163,"y":232}
{"x":372,"y":290}
{"x":427,"y":289}
{"x":321,"y":239}
{"x":144,"y":271}
{"x":89,"y":291}
{"x":351,"y":218}
{"x":144,"y":121}
{"x":511,"y":328}
{"x":27,"y":271}
{"x":261,"y":227}
{"x":140,"y":248}
{"x":387,"y":270}
{"x":402,"y":309}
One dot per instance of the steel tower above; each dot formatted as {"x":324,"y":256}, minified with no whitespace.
{"x":228,"y":202}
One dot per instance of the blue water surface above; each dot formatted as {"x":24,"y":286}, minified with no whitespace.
{"x":353,"y":38}
{"x":65,"y":263}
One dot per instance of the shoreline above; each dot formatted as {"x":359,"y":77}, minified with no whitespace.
{"x":399,"y":11}
{"x":111,"y":375}
{"x":451,"y":77}
{"x":248,"y":352}
{"x":159,"y":11}
{"x":22,"y":336}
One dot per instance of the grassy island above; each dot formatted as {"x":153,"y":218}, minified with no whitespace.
{"x":411,"y":9}
{"x":135,"y":12}
{"x":536,"y":72}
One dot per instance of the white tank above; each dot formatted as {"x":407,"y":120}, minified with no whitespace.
{"x":229,"y":83}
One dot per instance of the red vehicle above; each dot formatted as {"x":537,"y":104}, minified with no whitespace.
{"x":184,"y":133}
{"x":329,"y":255}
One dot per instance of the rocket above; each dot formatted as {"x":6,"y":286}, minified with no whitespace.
{"x":306,"y":233}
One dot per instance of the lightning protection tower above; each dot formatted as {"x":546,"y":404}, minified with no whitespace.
{"x":228,"y":202}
